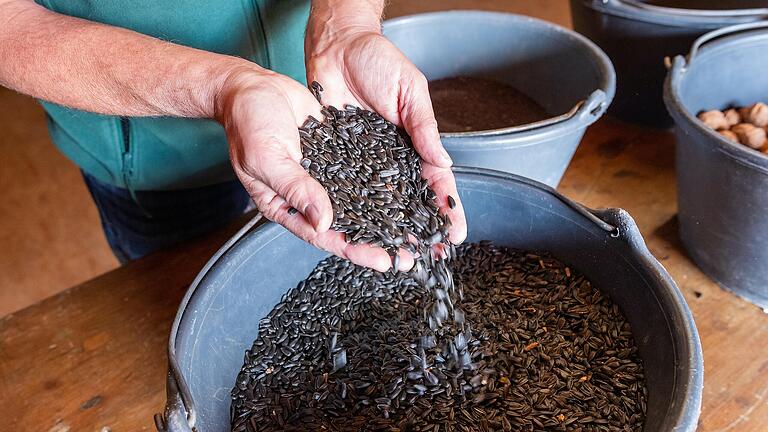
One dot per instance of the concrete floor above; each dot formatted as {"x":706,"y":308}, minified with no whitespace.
{"x":50,"y":238}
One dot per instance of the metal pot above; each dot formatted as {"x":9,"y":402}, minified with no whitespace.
{"x":219,"y":317}
{"x":638,"y":35}
{"x":722,"y":185}
{"x":564,"y":72}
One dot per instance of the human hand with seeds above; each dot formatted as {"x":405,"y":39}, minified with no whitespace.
{"x":261,"y":112}
{"x":357,"y":65}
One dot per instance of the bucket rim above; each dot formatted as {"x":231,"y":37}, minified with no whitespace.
{"x":673,"y":100}
{"x":674,"y":16}
{"x":582,"y":114}
{"x":180,"y":413}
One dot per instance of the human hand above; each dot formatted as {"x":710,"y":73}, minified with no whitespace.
{"x":261,"y":112}
{"x":357,"y":65}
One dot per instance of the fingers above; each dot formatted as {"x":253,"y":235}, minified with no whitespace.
{"x":286,"y":177}
{"x":442,"y":181}
{"x":369,"y":256}
{"x":274,"y":207}
{"x":265,"y":147}
{"x":418,"y":119}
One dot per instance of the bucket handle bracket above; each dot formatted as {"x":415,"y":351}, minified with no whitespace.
{"x":180,"y":414}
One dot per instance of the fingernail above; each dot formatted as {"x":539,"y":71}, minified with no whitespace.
{"x":383,"y":265}
{"x":315,"y":216}
{"x":406,"y":261}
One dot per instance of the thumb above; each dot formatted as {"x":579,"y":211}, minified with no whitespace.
{"x":418,"y":119}
{"x":301,"y":191}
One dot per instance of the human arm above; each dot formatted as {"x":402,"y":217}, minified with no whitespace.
{"x":110,"y":70}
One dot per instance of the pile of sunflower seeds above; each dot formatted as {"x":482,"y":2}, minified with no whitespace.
{"x":345,"y":351}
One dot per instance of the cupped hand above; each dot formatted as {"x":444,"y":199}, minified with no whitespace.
{"x":261,"y":112}
{"x":359,"y":66}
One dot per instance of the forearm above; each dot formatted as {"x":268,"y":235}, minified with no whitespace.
{"x":106,"y":69}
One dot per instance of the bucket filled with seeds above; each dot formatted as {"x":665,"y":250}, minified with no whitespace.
{"x":720,"y":111}
{"x":549,"y":317}
{"x":510,"y":93}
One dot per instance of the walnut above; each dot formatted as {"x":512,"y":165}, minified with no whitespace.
{"x":750,"y":135}
{"x":729,"y":135}
{"x":732,"y":117}
{"x":756,"y":114}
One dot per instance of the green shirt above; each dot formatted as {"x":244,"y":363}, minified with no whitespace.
{"x":162,"y":153}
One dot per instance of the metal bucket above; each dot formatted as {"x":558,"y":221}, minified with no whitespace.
{"x":561,"y":70}
{"x":638,"y":35}
{"x":722,"y":185}
{"x":219,"y":317}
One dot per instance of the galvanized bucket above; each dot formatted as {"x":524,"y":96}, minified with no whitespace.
{"x":563,"y":71}
{"x":219,"y":317}
{"x":638,"y":35}
{"x":722,"y":185}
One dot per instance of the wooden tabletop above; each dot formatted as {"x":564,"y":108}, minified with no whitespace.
{"x":93,"y":358}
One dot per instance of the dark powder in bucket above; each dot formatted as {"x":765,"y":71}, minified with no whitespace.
{"x":464,"y":104}
{"x":548,"y":350}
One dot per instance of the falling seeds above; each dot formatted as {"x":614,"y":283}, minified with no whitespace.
{"x":372,"y":174}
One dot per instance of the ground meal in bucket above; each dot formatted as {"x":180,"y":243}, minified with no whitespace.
{"x":468,"y":104}
{"x":517,"y":341}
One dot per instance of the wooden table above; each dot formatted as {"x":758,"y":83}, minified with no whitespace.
{"x":93,"y":358}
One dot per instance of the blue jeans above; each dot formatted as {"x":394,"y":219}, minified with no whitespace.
{"x":162,"y":218}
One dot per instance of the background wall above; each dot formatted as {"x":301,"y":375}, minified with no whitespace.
{"x":50,"y":237}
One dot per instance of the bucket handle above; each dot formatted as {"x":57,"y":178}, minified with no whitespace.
{"x":180,"y":414}
{"x":593,"y":106}
{"x":721,"y":32}
{"x":680,"y":11}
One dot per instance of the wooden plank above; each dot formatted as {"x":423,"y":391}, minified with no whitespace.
{"x":93,"y":357}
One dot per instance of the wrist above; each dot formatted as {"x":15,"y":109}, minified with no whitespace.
{"x":333,"y":21}
{"x":236,"y":80}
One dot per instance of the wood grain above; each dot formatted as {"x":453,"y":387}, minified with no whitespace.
{"x":625,"y":166}
{"x":94,"y":356}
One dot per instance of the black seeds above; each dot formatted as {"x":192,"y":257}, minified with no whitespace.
{"x":292,"y":211}
{"x":451,"y":202}
{"x":549,"y":352}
